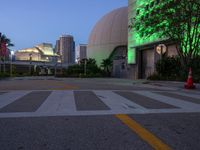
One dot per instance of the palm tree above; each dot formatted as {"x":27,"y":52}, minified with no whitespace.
{"x":8,"y":42}
{"x":3,"y":38}
{"x":107,"y":65}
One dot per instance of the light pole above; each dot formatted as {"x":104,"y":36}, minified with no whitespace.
{"x":11,"y":55}
{"x":55,"y":69}
{"x":30,"y":59}
{"x":85,"y":64}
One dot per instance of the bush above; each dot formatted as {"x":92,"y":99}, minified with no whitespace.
{"x":170,"y":68}
{"x":92,"y":70}
{"x":4,"y":75}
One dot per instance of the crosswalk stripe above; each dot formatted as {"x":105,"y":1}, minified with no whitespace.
{"x":62,"y":102}
{"x":189,"y":95}
{"x":169,"y":100}
{"x":117,"y":102}
{"x":10,"y":97}
{"x":58,"y":101}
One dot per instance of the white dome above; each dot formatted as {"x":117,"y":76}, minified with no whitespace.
{"x":110,"y":32}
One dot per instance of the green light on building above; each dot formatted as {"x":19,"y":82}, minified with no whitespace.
{"x":137,"y":8}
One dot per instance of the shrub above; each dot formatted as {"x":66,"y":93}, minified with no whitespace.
{"x":170,"y":68}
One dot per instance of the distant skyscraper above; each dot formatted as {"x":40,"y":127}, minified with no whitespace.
{"x":81,"y":52}
{"x":57,"y":48}
{"x":67,"y":49}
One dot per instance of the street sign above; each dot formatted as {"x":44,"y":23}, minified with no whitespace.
{"x":161,"y":49}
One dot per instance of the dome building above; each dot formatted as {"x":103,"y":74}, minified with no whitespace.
{"x":109,"y":36}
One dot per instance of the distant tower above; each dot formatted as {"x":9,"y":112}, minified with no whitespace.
{"x":81,"y":52}
{"x":67,"y":49}
{"x":57,"y":48}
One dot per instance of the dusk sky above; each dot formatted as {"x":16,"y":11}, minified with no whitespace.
{"x":30,"y":22}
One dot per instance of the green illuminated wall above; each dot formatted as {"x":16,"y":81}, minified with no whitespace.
{"x":133,"y":36}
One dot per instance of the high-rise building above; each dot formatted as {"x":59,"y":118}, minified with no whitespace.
{"x":57,"y":47}
{"x":67,"y":49}
{"x":81,"y":52}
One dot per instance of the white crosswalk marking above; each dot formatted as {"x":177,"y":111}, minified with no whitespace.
{"x":10,"y":97}
{"x":62,"y":102}
{"x":169,"y":100}
{"x":189,"y":95}
{"x":58,"y":101}
{"x":117,"y":102}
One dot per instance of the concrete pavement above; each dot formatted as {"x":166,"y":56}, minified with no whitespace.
{"x":105,"y":114}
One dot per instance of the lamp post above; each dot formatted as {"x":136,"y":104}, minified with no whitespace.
{"x":30,"y":59}
{"x":56,"y":62}
{"x":85,"y":65}
{"x":11,"y":56}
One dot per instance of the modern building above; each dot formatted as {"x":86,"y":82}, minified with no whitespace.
{"x":43,"y":52}
{"x":67,"y":49}
{"x":81,"y":52}
{"x":114,"y":37}
{"x":144,"y":52}
{"x":109,"y":39}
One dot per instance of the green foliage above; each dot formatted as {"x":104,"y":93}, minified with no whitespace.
{"x":4,"y":75}
{"x":178,"y":20}
{"x":169,"y":68}
{"x":92,"y":70}
{"x":107,"y":66}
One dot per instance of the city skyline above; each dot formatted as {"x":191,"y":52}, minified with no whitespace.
{"x":30,"y":23}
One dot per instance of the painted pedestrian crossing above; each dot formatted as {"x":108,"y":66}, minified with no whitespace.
{"x":95,"y":102}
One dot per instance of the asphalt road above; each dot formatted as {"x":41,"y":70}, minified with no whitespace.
{"x":97,"y":114}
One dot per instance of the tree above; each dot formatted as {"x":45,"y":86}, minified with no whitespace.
{"x":107,"y":65}
{"x":3,"y":38}
{"x":177,"y":20}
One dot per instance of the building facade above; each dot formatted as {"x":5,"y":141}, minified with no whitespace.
{"x":67,"y":49}
{"x":81,"y":52}
{"x":143,"y":52}
{"x":43,"y":52}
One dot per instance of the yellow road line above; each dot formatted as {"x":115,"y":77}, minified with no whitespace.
{"x":147,"y":136}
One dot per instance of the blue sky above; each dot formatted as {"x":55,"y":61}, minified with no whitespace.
{"x":30,"y":22}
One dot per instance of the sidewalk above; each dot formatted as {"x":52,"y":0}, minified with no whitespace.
{"x":173,"y":85}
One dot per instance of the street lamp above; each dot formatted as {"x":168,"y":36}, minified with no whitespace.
{"x":30,"y":59}
{"x":85,"y":64}
{"x":55,"y":68}
{"x":11,"y":56}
